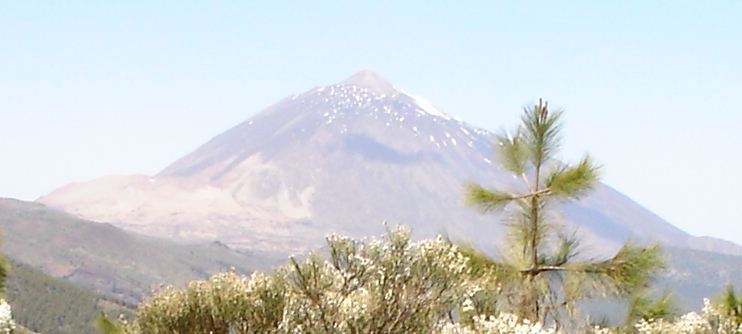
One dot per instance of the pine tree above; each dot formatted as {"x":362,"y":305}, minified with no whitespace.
{"x":731,"y":305}
{"x":3,"y":275}
{"x":540,"y":276}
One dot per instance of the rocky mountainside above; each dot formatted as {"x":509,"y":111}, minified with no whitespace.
{"x":343,"y":158}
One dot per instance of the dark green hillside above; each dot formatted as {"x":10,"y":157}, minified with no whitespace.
{"x":108,"y":260}
{"x":45,"y":304}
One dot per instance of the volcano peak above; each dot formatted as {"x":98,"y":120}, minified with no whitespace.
{"x":370,"y":80}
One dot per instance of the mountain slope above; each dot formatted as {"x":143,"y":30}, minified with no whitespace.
{"x":693,"y":275}
{"x":122,"y":265}
{"x":51,"y":305}
{"x":342,"y":158}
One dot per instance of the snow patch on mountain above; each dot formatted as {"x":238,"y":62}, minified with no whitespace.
{"x":425,"y":107}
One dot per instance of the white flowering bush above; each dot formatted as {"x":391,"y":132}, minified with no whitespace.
{"x":711,"y":321}
{"x":390,"y":285}
{"x":227,"y":302}
{"x":7,"y":325}
{"x":504,"y":323}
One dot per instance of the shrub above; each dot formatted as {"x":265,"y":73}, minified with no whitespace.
{"x":390,"y":285}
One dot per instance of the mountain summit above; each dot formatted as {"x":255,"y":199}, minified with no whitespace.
{"x":342,"y":158}
{"x":370,"y":80}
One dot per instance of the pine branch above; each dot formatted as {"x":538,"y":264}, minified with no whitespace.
{"x":566,"y":251}
{"x":512,"y":153}
{"x":574,"y":181}
{"x":481,"y":265}
{"x":486,"y":199}
{"x":628,"y":270}
{"x":642,"y":307}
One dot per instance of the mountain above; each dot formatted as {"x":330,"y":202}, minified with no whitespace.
{"x":343,"y":158}
{"x":50,"y":305}
{"x":693,"y":275}
{"x":119,"y":264}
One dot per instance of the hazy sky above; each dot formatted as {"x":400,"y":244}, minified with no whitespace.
{"x":124,"y":87}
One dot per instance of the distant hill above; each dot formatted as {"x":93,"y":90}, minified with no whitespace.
{"x":50,"y":305}
{"x":116,"y":263}
{"x":693,"y":275}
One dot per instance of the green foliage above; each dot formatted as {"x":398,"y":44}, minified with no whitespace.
{"x":486,"y":199}
{"x":540,"y":132}
{"x":730,"y":304}
{"x":643,"y":307}
{"x":482,"y":266}
{"x":629,"y":270}
{"x":513,"y":153}
{"x":566,"y":250}
{"x":3,"y":274}
{"x":573,"y":181}
{"x":226,"y":302}
{"x":48,"y":305}
{"x":392,"y":285}
{"x":540,"y":275}
{"x":106,"y":326}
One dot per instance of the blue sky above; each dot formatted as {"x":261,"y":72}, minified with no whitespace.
{"x":651,"y":90}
